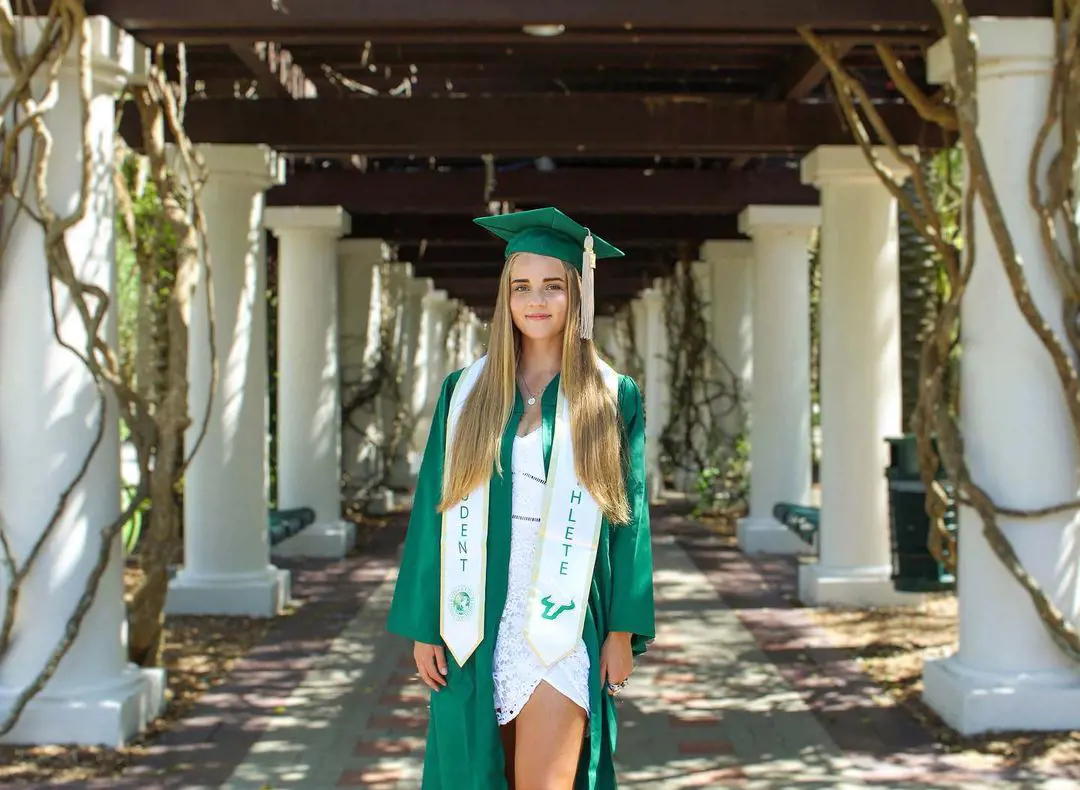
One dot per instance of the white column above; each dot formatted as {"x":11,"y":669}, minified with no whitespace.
{"x":731,"y":281}
{"x":860,"y":378}
{"x":358,"y":261}
{"x":432,"y":360}
{"x":469,"y":341}
{"x":403,"y":475}
{"x":780,"y":409}
{"x":50,"y":413}
{"x":309,"y":389}
{"x":482,"y":336}
{"x":1007,"y":673}
{"x":227,"y":567}
{"x":654,"y":358}
{"x":604,"y":336}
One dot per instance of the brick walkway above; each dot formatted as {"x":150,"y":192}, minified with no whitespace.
{"x":740,"y":690}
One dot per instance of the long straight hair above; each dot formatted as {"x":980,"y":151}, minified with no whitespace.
{"x":595,"y":426}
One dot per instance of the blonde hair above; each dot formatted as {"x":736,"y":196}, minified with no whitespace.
{"x":595,"y":424}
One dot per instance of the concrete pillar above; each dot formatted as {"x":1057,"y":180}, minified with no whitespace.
{"x":482,"y":336}
{"x":731,"y":321}
{"x":637,"y":334}
{"x":1020,"y":447}
{"x":604,"y":337}
{"x":50,"y":415}
{"x":470,"y":342}
{"x":654,"y":357}
{"x":860,"y":378}
{"x":227,"y":567}
{"x":358,"y":263}
{"x":432,"y":365}
{"x":780,"y":410}
{"x":403,"y":473}
{"x":309,"y":405}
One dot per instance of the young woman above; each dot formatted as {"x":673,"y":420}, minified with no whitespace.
{"x":526,"y":579}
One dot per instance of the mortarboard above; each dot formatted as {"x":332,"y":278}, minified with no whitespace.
{"x":547,"y":231}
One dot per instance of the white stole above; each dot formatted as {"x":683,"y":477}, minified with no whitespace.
{"x":569,"y":535}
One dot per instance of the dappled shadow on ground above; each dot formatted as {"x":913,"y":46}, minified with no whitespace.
{"x":861,"y":670}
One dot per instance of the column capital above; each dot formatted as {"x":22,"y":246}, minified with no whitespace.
{"x":435,"y":297}
{"x":260,"y":165}
{"x":329,"y":219}
{"x":651,"y":297}
{"x":787,"y":220}
{"x":719,"y":252}
{"x":370,"y":251}
{"x":1004,"y":47}
{"x":399,"y":269}
{"x":115,"y":56}
{"x":847,"y":164}
{"x":420,"y":286}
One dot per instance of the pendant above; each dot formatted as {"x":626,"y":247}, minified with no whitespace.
{"x":531,"y":401}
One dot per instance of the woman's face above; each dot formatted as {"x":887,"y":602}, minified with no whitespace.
{"x":538,"y":295}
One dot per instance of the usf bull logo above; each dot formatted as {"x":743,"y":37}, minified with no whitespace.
{"x":553,"y":610}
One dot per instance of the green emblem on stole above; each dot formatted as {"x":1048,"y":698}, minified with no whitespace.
{"x":461,"y":602}
{"x":552,"y":610}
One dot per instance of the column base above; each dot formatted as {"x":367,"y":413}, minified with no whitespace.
{"x":107,"y":715}
{"x":401,"y":476}
{"x":381,"y":502}
{"x":859,"y":587}
{"x":262,"y":594}
{"x":768,"y":536}
{"x":974,"y":702}
{"x":330,"y":540}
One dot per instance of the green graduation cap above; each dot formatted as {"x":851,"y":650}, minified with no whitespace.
{"x":547,"y":231}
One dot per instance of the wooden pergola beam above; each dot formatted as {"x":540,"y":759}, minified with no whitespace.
{"x":576,"y":125}
{"x":483,"y":290}
{"x":273,"y":69}
{"x":804,"y":72}
{"x":595,"y":190}
{"x":491,"y":253}
{"x":622,"y":230}
{"x":235,"y":15}
{"x":614,"y":270}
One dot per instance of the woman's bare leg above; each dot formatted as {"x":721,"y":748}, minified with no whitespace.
{"x":507,"y":735}
{"x":547,"y":741}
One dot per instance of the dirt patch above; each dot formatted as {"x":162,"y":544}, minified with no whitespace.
{"x":199,"y":653}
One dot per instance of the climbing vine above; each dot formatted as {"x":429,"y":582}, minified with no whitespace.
{"x":155,"y":415}
{"x":704,"y":440}
{"x":1051,"y":182}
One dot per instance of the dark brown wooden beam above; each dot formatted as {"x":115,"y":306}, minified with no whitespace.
{"x":590,"y":190}
{"x":485,"y":289}
{"x":491,"y":252}
{"x":273,"y":69}
{"x":234,"y":15}
{"x":613,"y":270}
{"x":630,"y":230}
{"x":577,"y":125}
{"x":802,"y":73}
{"x":467,"y":37}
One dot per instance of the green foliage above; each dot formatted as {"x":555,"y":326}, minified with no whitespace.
{"x":724,"y":484}
{"x":923,"y":280}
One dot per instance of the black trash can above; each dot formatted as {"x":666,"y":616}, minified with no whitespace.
{"x":915,"y":569}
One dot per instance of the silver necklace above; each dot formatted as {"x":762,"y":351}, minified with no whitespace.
{"x":531,"y":400}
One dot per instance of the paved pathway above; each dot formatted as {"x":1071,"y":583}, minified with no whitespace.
{"x":739,"y":690}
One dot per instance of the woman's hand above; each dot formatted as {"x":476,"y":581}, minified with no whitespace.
{"x":431,"y":664}
{"x":616,"y":659}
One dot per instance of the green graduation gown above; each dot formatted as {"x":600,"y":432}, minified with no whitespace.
{"x":463,"y":747}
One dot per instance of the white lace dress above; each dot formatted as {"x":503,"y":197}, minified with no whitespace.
{"x":517,"y":670}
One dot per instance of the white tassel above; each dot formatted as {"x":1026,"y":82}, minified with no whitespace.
{"x":588,"y":278}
